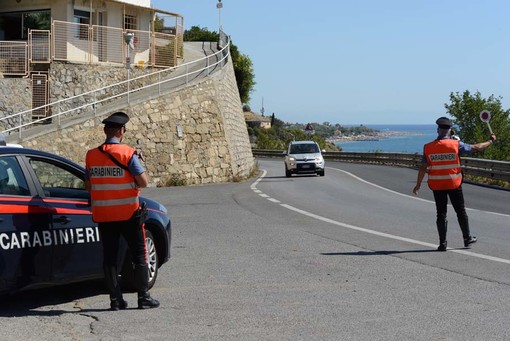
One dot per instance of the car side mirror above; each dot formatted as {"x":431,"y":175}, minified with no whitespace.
{"x":284,"y":152}
{"x":323,"y":151}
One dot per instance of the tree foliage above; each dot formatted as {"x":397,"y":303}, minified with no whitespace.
{"x":159,"y":24}
{"x":243,"y":66}
{"x":245,"y":75}
{"x":280,"y":134}
{"x":197,"y":33}
{"x":465,"y":108}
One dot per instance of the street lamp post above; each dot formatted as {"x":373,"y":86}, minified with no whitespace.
{"x":128,"y":38}
{"x":219,"y":6}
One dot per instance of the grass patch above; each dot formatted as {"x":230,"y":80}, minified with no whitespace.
{"x":175,"y":180}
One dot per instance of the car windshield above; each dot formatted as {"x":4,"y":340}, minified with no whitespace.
{"x":303,"y":148}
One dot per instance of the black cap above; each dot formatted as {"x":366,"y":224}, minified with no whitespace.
{"x":118,"y":119}
{"x":444,"y":123}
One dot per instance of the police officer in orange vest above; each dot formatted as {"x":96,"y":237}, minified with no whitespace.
{"x":113,"y":178}
{"x":441,"y":159}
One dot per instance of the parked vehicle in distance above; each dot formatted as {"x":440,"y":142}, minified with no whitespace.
{"x":304,"y":157}
{"x":47,"y":236}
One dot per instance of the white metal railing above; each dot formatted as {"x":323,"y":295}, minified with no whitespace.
{"x":119,"y":94}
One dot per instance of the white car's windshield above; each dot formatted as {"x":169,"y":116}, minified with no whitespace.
{"x":303,"y":148}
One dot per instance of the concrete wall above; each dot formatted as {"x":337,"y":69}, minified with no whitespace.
{"x":213,"y":147}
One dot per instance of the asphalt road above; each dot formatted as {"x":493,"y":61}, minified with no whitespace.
{"x":348,"y":256}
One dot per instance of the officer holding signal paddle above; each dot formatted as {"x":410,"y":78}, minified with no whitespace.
{"x":441,"y":160}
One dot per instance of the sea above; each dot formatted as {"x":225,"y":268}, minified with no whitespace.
{"x":410,"y":139}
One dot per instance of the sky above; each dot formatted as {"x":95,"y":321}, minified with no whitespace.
{"x":363,"y":61}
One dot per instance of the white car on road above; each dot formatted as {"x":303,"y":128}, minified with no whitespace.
{"x":303,"y":157}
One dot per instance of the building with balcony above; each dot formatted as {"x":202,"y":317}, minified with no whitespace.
{"x":53,"y":49}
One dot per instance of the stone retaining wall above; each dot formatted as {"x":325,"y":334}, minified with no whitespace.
{"x":15,"y":97}
{"x":194,"y":135}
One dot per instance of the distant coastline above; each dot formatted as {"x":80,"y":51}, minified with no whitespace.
{"x":398,"y":138}
{"x":372,"y":136}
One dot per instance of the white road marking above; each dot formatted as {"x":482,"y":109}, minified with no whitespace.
{"x":410,"y":196}
{"x":373,"y":232}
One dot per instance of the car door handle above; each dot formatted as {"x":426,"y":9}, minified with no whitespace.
{"x":62,"y":220}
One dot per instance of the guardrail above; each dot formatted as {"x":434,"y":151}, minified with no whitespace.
{"x":491,"y":169}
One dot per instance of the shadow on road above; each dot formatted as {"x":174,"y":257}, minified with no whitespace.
{"x":375,"y":253}
{"x":25,"y":303}
{"x":293,"y":177}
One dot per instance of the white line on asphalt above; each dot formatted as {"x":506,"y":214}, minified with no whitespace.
{"x":407,"y":195}
{"x":373,"y":232}
{"x":391,"y":236}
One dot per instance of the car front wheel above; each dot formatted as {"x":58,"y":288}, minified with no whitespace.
{"x":288,"y":173}
{"x":152,"y":258}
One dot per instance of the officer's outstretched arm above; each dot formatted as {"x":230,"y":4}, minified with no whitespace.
{"x":483,"y":145}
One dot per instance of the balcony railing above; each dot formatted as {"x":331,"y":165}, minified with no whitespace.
{"x":79,"y":43}
{"x":13,"y":58}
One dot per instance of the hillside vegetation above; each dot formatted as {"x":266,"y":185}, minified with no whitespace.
{"x":281,"y":133}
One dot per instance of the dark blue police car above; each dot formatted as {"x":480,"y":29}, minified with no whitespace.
{"x":47,"y":236}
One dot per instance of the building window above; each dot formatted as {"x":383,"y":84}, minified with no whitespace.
{"x":15,"y":25}
{"x":130,"y":22}
{"x":83,"y":18}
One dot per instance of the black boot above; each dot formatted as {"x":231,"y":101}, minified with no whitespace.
{"x":442,"y":246}
{"x":466,"y":234}
{"x":116,"y":300}
{"x":142,"y":285}
{"x":470,"y":240}
{"x":442,"y":227}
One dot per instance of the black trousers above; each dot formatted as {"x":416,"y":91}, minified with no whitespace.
{"x":457,"y":200}
{"x":134,"y":234}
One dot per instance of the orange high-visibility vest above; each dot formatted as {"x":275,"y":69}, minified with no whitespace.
{"x":113,"y":191}
{"x":443,"y":164}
